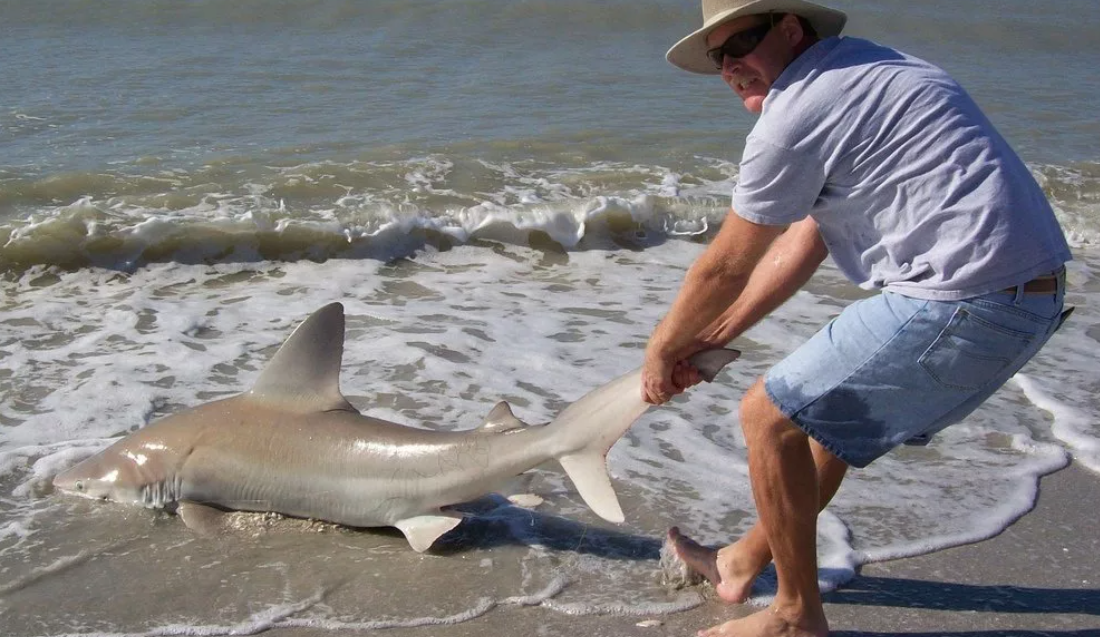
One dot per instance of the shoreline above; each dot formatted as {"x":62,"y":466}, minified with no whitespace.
{"x":1040,"y":577}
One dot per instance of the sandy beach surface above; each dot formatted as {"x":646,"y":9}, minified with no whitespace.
{"x":1041,"y":577}
{"x":148,"y":573}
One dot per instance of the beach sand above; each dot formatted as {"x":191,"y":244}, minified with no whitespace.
{"x":1040,"y":577}
{"x":140,"y":571}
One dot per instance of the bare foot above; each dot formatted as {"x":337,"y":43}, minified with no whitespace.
{"x":770,"y":622}
{"x":731,"y":575}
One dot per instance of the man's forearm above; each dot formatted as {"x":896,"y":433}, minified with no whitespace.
{"x":703,"y":297}
{"x":716,"y":278}
{"x":789,"y":263}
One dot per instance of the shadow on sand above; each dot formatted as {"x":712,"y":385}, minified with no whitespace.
{"x":909,"y":593}
{"x":945,"y":596}
{"x":494,"y":522}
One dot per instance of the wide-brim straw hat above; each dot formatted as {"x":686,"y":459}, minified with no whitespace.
{"x":690,"y":53}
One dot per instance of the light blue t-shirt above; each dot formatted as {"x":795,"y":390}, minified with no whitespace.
{"x":912,"y":188}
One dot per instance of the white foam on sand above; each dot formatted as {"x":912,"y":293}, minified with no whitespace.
{"x":286,"y":615}
{"x":57,"y":566}
{"x":1071,"y":425}
{"x":436,"y":341}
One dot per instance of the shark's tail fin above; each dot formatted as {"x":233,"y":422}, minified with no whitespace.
{"x":589,"y":427}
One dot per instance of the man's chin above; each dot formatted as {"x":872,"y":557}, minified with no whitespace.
{"x":754,"y":103}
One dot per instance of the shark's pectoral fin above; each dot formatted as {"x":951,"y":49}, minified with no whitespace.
{"x":203,"y":519}
{"x":423,"y":530}
{"x":588,"y":471}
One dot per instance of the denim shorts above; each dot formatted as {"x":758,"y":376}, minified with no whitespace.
{"x":893,"y":369}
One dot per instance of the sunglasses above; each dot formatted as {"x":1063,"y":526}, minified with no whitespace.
{"x":740,"y":44}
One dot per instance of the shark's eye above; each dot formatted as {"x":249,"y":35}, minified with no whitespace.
{"x":79,"y":486}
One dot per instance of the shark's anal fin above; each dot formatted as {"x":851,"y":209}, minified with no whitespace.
{"x":203,"y":519}
{"x":423,"y":530}
{"x":588,"y":471}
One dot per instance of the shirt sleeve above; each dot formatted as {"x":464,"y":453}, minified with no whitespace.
{"x":777,"y":185}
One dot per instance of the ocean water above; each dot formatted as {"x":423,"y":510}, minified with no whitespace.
{"x":505,"y":195}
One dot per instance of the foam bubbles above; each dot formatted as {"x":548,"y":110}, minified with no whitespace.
{"x":436,"y":341}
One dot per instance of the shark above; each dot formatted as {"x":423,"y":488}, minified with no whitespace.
{"x":294,"y":445}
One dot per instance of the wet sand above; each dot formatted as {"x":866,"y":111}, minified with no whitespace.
{"x":142,"y":573}
{"x":1041,"y":577}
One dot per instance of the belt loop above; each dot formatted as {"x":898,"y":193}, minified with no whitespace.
{"x":1020,"y":292}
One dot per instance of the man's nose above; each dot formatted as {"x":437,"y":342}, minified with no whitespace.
{"x":730,"y":65}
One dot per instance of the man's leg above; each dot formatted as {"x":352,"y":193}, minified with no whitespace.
{"x":785,"y":487}
{"x":733,"y":569}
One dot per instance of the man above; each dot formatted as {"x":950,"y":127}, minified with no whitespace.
{"x":883,"y":162}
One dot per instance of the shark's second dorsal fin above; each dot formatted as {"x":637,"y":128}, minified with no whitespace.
{"x":501,"y":419}
{"x":304,"y":375}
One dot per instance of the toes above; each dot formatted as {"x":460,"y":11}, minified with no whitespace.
{"x":681,"y":541}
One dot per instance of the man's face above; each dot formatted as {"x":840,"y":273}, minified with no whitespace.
{"x":752,"y":75}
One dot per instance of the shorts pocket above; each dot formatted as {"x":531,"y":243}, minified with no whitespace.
{"x":971,"y":352}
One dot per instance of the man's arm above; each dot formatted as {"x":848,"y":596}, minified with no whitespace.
{"x":745,"y":273}
{"x":787,"y":265}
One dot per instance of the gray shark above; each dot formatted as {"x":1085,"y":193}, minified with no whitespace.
{"x":294,"y":445}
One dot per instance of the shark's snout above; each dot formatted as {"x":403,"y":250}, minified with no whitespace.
{"x":88,"y":479}
{"x":71,"y":483}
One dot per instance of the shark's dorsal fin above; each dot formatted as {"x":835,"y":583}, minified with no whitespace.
{"x":501,"y":419}
{"x":304,"y":375}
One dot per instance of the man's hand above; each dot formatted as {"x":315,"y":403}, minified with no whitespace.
{"x":662,"y":380}
{"x":685,"y":375}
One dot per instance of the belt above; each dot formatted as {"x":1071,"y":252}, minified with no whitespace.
{"x":1046,"y":284}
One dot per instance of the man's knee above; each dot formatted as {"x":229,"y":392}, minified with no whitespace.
{"x":761,"y":419}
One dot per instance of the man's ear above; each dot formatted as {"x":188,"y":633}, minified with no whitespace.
{"x":792,"y":29}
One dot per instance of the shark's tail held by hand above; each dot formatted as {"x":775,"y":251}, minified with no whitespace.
{"x":589,"y":427}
